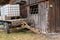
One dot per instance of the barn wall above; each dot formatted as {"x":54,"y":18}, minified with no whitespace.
{"x":54,"y":16}
{"x":23,"y":11}
{"x":40,"y":19}
{"x":3,"y":2}
{"x":34,"y":1}
{"x":43,"y":12}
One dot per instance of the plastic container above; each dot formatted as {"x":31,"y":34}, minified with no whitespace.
{"x":10,"y":10}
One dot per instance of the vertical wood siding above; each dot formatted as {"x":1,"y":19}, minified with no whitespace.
{"x":54,"y":16}
{"x":44,"y":7}
{"x":41,"y":19}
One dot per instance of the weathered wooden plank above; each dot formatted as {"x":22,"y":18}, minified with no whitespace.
{"x":41,"y":18}
{"x":51,"y":16}
{"x":34,"y":1}
{"x":54,"y":16}
{"x":25,"y":25}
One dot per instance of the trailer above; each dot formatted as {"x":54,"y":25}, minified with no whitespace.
{"x":11,"y":24}
{"x":8,"y":24}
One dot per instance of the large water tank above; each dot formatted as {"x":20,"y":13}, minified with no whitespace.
{"x":10,"y":10}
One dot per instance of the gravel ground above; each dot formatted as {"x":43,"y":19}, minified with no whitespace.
{"x":53,"y":36}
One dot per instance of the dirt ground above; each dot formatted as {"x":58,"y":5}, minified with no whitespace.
{"x":53,"y":36}
{"x":27,"y":35}
{"x":21,"y":35}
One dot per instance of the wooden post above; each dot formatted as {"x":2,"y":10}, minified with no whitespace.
{"x":28,"y":12}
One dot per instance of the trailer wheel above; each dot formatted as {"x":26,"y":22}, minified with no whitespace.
{"x":7,"y":27}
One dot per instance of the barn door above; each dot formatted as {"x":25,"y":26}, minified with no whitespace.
{"x":39,"y":13}
{"x":34,"y":14}
{"x":54,"y":16}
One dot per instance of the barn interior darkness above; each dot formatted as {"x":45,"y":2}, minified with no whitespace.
{"x":23,"y":9}
{"x":3,"y":2}
{"x":34,"y":9}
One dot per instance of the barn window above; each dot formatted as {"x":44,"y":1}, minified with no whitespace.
{"x":34,"y":9}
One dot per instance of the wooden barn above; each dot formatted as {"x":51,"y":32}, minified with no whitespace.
{"x":45,"y":14}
